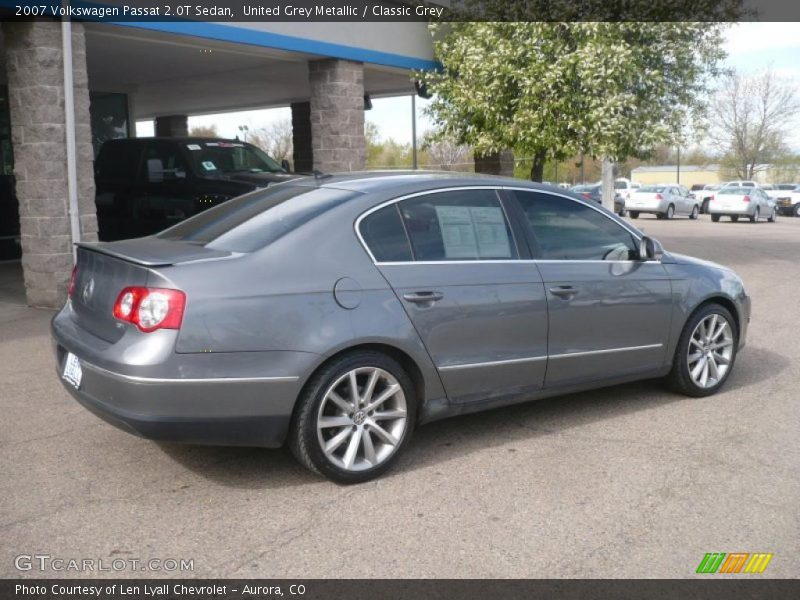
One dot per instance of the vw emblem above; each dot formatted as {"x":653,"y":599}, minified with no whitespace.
{"x":88,"y":290}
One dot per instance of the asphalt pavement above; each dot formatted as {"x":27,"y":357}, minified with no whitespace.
{"x":628,"y":481}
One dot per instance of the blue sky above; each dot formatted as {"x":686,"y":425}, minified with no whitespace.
{"x":750,"y":47}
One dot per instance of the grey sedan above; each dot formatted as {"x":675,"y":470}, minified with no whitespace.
{"x":336,"y":314}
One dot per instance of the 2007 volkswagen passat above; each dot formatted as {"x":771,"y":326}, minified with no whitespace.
{"x":338,"y":313}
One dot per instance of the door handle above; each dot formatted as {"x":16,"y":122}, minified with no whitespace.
{"x":567,"y":292}
{"x":423,"y":297}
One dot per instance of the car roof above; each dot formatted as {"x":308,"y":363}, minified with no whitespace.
{"x":376,"y":181}
{"x":177,"y":140}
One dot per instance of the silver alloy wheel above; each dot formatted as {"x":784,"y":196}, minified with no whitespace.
{"x":362,"y":419}
{"x":670,"y":211}
{"x":710,"y":351}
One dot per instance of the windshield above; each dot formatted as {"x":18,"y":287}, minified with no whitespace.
{"x":214,"y":158}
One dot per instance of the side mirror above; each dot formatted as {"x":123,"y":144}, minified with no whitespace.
{"x":650,"y":249}
{"x":285,"y":165}
{"x":155,"y":170}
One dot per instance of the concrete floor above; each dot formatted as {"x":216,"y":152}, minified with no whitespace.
{"x":630,"y":481}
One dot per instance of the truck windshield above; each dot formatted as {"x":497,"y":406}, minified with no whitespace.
{"x":220,"y":157}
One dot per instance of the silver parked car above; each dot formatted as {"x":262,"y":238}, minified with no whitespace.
{"x":338,"y":313}
{"x":736,"y":201}
{"x":663,"y":200}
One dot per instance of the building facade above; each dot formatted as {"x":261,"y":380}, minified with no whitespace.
{"x":65,"y":88}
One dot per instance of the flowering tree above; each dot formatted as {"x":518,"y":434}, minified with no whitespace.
{"x":553,"y":90}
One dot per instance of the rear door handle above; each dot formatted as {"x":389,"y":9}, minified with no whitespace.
{"x":564,"y":291}
{"x":423,"y":297}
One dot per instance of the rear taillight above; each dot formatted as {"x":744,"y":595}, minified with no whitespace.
{"x":746,"y":199}
{"x":586,"y":195}
{"x":72,"y":281}
{"x":150,"y":308}
{"x":659,"y":197}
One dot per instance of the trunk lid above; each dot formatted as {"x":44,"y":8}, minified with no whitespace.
{"x":106,"y":268}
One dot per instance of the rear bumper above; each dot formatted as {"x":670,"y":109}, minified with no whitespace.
{"x":729,"y":212}
{"x":237,"y":399}
{"x":647,"y":207}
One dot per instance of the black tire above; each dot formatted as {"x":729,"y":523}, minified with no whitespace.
{"x":704,"y":207}
{"x":715,"y":218}
{"x":735,"y":218}
{"x":303,"y":440}
{"x":797,"y":210}
{"x":633,"y":214}
{"x":773,"y":218}
{"x":670,"y":212}
{"x":679,"y":378}
{"x":756,"y":215}
{"x":695,"y":212}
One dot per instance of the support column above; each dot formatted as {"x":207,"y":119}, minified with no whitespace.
{"x":337,"y":115}
{"x":499,"y":163}
{"x":34,"y":64}
{"x":172,"y":126}
{"x":302,"y":152}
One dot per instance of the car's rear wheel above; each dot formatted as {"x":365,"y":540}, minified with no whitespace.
{"x":715,"y":218}
{"x":706,"y":352}
{"x":735,"y":218}
{"x":755,"y":216}
{"x":354,"y":417}
{"x":695,"y":212}
{"x":704,"y":207}
{"x":633,"y":214}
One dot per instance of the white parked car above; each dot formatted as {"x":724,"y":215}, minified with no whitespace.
{"x":736,"y":201}
{"x":787,"y":202}
{"x":663,"y":200}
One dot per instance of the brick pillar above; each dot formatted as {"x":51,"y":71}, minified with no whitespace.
{"x":172,"y":126}
{"x":499,"y":163}
{"x":337,"y":115}
{"x":302,"y":152}
{"x":34,"y":64}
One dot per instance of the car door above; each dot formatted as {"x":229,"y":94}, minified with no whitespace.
{"x":687,"y":202}
{"x":609,"y":312}
{"x":478,"y":305}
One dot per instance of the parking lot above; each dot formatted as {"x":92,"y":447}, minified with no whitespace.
{"x":629,"y":481}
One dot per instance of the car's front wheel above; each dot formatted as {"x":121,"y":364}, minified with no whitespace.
{"x":695,"y":212}
{"x":354,"y":417}
{"x":715,"y":218}
{"x":706,"y":352}
{"x":633,"y":214}
{"x":773,"y":217}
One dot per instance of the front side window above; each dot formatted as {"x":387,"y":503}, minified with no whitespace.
{"x":458,"y":225}
{"x":568,"y":230}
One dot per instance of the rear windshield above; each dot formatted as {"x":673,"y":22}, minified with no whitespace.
{"x":257,"y":219}
{"x":652,"y":189}
{"x":735,"y":191}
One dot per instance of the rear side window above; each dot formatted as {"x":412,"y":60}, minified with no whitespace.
{"x":385,"y":236}
{"x":458,"y":225}
{"x":257,"y":219}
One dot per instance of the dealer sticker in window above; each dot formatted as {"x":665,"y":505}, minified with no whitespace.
{"x":72,"y":370}
{"x":208,"y":165}
{"x":193,"y":146}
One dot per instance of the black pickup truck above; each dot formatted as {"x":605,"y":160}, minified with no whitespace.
{"x":144,"y":185}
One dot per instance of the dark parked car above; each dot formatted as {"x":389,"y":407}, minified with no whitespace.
{"x":145,"y":185}
{"x":594,"y":191}
{"x":338,"y":313}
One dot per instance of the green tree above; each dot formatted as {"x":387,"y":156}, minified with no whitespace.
{"x":551,"y":91}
